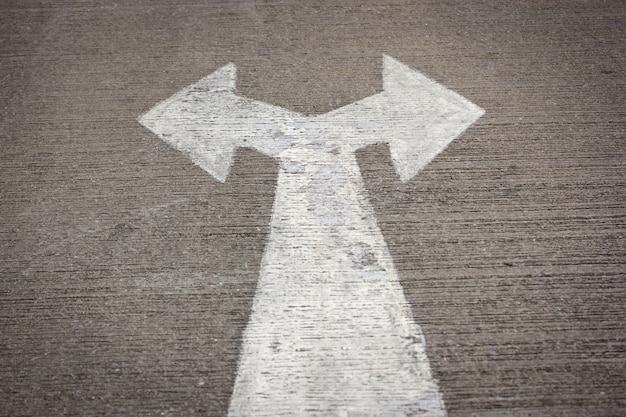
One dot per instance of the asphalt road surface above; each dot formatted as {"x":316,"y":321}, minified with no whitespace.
{"x":127,"y":274}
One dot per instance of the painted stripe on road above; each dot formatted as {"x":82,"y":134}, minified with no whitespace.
{"x":330,"y":331}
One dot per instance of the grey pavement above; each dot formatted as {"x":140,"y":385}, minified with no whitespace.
{"x":127,"y":274}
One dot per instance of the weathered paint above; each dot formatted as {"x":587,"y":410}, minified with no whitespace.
{"x":330,"y":331}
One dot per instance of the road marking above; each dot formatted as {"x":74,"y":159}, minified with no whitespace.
{"x":330,"y":333}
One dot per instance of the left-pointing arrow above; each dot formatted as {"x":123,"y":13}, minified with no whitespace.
{"x":207,"y":121}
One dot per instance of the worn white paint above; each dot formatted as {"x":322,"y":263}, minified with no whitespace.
{"x":330,"y":333}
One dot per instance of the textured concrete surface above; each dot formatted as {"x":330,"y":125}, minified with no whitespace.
{"x":127,"y":274}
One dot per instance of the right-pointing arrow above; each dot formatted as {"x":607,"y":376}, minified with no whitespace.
{"x":417,"y":116}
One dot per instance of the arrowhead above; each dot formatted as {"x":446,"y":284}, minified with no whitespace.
{"x":207,"y":121}
{"x":184,"y":121}
{"x":428,"y":116}
{"x":417,"y":116}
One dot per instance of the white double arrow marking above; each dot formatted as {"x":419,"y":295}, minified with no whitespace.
{"x":330,"y":333}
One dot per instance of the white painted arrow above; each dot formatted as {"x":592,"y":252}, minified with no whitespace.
{"x":330,"y":333}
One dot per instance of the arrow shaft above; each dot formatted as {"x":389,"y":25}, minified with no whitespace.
{"x":330,"y":331}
